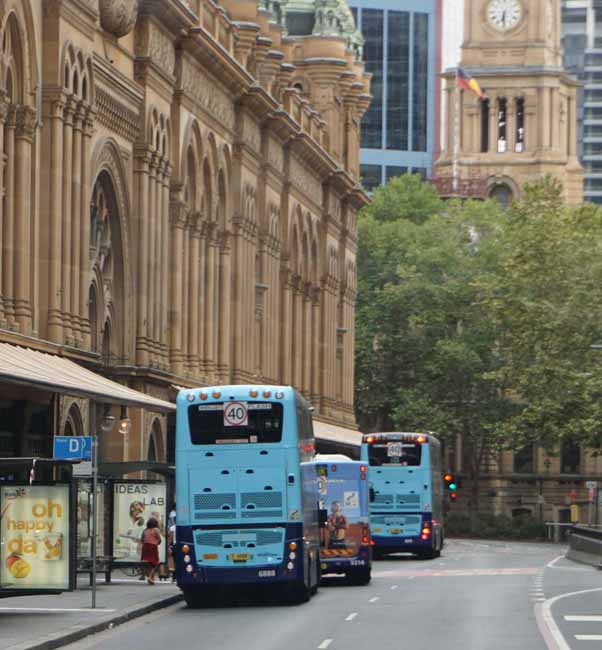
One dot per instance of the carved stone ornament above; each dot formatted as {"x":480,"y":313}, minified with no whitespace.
{"x":118,"y":17}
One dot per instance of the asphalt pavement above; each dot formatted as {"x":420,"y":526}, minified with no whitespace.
{"x":477,"y":596}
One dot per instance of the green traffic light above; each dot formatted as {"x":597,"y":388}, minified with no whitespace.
{"x":452,"y":486}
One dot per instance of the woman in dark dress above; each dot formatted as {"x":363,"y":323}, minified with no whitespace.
{"x":151,"y":538}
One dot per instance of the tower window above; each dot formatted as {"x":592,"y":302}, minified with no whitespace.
{"x":502,"y":143}
{"x":520,"y":125}
{"x":485,"y":126}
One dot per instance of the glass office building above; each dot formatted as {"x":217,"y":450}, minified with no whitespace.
{"x":582,"y":44}
{"x":398,"y":131}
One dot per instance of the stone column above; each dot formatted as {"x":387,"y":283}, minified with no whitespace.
{"x":193,"y":296}
{"x":307,"y":341}
{"x":76,"y":220}
{"x":166,"y":266}
{"x":86,"y":199}
{"x":494,"y":112}
{"x":201,"y":304}
{"x":141,"y":171}
{"x":55,"y":322}
{"x":209,"y":346}
{"x":9,"y":219}
{"x":286,"y":326}
{"x":177,"y":252}
{"x":151,"y":261}
{"x":26,"y":125}
{"x":511,"y":122}
{"x":4,"y":108}
{"x":316,"y":362}
{"x":67,"y":265}
{"x":185,"y":295}
{"x":157,"y":261}
{"x":225,"y":337}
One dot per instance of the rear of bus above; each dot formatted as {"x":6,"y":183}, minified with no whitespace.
{"x":344,"y":526}
{"x":246,"y":494}
{"x":406,"y":493}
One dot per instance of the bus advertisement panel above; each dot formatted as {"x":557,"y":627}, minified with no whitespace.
{"x":246,"y":493}
{"x":345,"y":533}
{"x":406,"y":508}
{"x":134,"y":502}
{"x":34,"y":535}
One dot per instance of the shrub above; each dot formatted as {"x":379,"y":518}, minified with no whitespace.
{"x":492,"y":526}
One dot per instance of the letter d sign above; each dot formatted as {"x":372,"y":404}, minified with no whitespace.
{"x":73,"y":445}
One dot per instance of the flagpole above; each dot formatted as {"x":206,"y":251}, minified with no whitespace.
{"x":456,"y":151}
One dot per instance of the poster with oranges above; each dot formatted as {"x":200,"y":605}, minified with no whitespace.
{"x":34,"y":537}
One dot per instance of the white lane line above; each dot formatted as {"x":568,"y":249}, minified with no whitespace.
{"x":411,"y":577}
{"x":588,"y":637}
{"x":552,"y":565}
{"x":584,"y":619}
{"x":373,"y":600}
{"x":393,"y":587}
{"x":351,"y":616}
{"x":49,"y":610}
{"x":547,"y":624}
{"x":324,"y":644}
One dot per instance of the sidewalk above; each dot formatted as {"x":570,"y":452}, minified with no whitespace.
{"x":47,"y":622}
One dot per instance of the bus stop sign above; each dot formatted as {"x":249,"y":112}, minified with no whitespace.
{"x":72,"y":447}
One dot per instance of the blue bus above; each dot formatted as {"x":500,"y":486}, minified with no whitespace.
{"x":406,"y":500}
{"x":246,"y":492}
{"x":345,"y":528}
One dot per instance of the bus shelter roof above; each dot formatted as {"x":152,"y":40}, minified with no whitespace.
{"x":333,"y":433}
{"x":16,"y":464}
{"x":118,"y":469}
{"x":27,"y":367}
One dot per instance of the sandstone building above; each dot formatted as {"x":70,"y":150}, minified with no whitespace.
{"x":527,"y":125}
{"x":180,"y":194}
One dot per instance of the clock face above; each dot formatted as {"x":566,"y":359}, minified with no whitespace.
{"x":504,"y":15}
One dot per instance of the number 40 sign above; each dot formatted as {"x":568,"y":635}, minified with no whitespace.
{"x":236,"y":414}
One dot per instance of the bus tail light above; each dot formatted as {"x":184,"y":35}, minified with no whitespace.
{"x":293,"y":546}
{"x":421,"y":439}
{"x":210,"y":556}
{"x":366,"y":536}
{"x":426,"y":533}
{"x":185,"y":548}
{"x":370,"y":439}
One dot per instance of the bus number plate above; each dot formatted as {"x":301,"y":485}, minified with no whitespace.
{"x":394,"y":449}
{"x":395,"y":531}
{"x":239,"y":557}
{"x":267,"y":573}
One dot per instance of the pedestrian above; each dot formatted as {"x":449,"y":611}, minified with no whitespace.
{"x":151,"y":538}
{"x":171,"y":560}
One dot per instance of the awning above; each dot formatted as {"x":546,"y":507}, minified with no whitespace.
{"x":333,"y":433}
{"x":129,"y":467}
{"x":28,"y":367}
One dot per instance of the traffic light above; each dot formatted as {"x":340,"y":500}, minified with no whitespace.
{"x":451,"y":486}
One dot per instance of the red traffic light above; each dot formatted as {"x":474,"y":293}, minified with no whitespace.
{"x":453,"y":496}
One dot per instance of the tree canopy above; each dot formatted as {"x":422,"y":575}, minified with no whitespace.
{"x":479,"y":321}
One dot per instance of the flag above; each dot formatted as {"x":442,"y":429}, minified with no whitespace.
{"x":464,"y":80}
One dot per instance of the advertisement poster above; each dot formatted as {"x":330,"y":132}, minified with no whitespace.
{"x":339,"y":496}
{"x":133,"y":505}
{"x":84,"y":520}
{"x":34,"y":536}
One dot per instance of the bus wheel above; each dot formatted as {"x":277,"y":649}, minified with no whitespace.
{"x":316,"y":569}
{"x":298,"y":592}
{"x":359,"y":576}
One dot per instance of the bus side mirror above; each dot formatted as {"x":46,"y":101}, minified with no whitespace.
{"x":372,"y":494}
{"x":322,"y":517}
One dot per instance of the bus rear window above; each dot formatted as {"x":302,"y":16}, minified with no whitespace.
{"x":208,"y":426}
{"x":404,"y":454}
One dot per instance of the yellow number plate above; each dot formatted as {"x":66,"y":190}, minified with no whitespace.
{"x":240,"y":557}
{"x":395,"y":531}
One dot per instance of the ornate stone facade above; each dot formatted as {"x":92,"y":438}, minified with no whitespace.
{"x":180,"y":198}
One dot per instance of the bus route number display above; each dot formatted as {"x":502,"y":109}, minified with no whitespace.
{"x":236,"y":414}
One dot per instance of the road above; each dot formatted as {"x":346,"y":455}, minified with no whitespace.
{"x":477,"y":596}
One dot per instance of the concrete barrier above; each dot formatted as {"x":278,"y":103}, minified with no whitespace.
{"x":585,"y":546}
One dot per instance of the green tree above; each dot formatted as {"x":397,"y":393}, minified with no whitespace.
{"x":426,"y":348}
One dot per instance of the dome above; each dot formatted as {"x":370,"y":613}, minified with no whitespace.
{"x":317,"y":18}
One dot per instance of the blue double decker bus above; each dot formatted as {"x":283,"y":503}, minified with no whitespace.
{"x":246,"y":492}
{"x":406,"y":503}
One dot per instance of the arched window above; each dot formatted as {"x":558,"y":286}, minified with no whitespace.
{"x":570,"y":457}
{"x":485,"y":126}
{"x":501,"y":193}
{"x":520,"y":125}
{"x":502,"y":144}
{"x":523,"y":460}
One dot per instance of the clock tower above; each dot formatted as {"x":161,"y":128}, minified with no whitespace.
{"x":526,"y":127}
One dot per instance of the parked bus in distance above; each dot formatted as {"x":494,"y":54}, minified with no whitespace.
{"x":246,"y":492}
{"x":344,"y":521}
{"x":406,"y":508}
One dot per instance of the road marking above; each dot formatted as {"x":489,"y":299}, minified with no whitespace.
{"x":510,"y":571}
{"x":324,"y":644}
{"x":373,"y":600}
{"x":596,"y":619}
{"x":546,"y":622}
{"x":351,"y":616}
{"x":588,"y":637}
{"x":48,"y":610}
{"x":393,"y":587}
{"x":552,"y":565}
{"x":411,"y":577}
